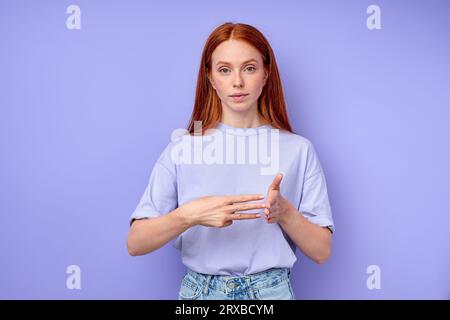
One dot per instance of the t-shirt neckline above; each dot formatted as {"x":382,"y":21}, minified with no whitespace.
{"x":241,"y":131}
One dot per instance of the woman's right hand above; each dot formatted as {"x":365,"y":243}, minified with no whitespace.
{"x":219,"y":211}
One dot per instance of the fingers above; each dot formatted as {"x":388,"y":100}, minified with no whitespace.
{"x":276,"y":182}
{"x":244,"y":216}
{"x":244,"y":207}
{"x":228,"y":223}
{"x":243,"y":198}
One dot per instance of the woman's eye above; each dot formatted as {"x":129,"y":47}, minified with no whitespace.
{"x":226,"y":70}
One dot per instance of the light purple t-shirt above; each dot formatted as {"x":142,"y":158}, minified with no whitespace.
{"x":230,"y":161}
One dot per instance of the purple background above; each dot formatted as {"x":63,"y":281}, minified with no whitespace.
{"x":85,"y":114}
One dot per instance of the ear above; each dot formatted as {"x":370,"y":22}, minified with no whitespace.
{"x":266,"y":76}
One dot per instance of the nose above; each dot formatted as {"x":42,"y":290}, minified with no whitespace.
{"x":238,"y":82}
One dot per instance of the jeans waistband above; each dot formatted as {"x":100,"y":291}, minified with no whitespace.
{"x":261,"y":280}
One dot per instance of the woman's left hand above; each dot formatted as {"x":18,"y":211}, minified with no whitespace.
{"x":277,"y":207}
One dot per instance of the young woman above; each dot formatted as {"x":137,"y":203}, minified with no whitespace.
{"x":237,"y":213}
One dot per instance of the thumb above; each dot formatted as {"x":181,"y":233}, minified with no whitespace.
{"x":276,"y":182}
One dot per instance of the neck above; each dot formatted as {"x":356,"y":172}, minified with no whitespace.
{"x":250,"y":119}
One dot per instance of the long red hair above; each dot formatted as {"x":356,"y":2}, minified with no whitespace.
{"x":271,"y":104}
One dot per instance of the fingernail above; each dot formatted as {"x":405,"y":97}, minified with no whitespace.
{"x":263,"y":205}
{"x":260,"y":196}
{"x":258,"y":215}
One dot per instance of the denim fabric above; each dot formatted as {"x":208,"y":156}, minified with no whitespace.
{"x":273,"y":284}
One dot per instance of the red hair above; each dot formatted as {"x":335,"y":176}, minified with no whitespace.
{"x":271,"y":104}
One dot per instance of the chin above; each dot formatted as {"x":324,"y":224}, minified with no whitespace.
{"x":240,"y":106}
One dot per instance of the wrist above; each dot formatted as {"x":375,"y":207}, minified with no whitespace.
{"x":288,"y":214}
{"x":186,"y":218}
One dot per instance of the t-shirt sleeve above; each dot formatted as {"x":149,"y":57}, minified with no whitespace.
{"x":160,"y":195}
{"x":314,"y":203}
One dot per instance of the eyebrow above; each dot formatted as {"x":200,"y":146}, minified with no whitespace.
{"x":224,"y":62}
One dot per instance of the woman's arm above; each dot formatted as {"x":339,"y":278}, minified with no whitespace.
{"x":312,"y":239}
{"x":147,"y":235}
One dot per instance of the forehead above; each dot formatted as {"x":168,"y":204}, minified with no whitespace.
{"x":235,"y":52}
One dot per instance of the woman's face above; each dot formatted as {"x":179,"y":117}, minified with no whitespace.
{"x":237,"y":68}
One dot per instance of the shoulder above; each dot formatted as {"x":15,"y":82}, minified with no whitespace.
{"x":178,"y":139}
{"x":296,"y":141}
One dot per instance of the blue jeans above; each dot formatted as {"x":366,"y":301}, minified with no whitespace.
{"x":273,"y":284}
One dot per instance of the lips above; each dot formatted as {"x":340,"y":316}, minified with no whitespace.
{"x":238,"y":94}
{"x":238,"y":97}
